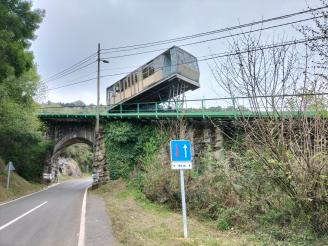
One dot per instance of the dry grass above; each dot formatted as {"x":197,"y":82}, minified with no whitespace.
{"x":18,"y":187}
{"x":136,"y":221}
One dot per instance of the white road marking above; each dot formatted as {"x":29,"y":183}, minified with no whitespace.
{"x":48,"y":187}
{"x":82,"y":223}
{"x":19,"y":217}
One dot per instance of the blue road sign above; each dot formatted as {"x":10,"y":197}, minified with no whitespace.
{"x":180,"y":150}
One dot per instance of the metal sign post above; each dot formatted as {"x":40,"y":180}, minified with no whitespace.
{"x":181,"y":160}
{"x":183,"y":203}
{"x":10,"y":167}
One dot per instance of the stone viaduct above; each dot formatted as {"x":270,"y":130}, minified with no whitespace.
{"x":65,"y":130}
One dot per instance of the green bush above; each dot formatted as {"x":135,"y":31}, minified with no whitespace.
{"x":28,"y":154}
{"x":223,"y":224}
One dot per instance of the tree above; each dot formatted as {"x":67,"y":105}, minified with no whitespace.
{"x":319,"y":46}
{"x":17,"y":26}
{"x":284,"y":147}
{"x":20,"y":137}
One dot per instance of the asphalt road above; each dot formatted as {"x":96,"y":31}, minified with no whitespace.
{"x":50,"y":217}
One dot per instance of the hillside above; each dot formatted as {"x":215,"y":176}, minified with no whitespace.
{"x":18,"y":186}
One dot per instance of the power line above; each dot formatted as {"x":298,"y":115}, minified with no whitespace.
{"x":213,"y":39}
{"x":95,"y":71}
{"x":69,"y":69}
{"x":73,"y":71}
{"x":203,"y":41}
{"x":77,"y":65}
{"x":295,"y":42}
{"x":84,"y":81}
{"x":75,"y":83}
{"x":150,"y":44}
{"x":210,"y":57}
{"x":80,"y":77}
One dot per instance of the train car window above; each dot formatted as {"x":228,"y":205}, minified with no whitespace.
{"x":136,"y":78}
{"x":188,"y":60}
{"x":129,"y":82}
{"x":111,"y":92}
{"x":122,"y":85}
{"x":151,"y":70}
{"x":145,"y":72}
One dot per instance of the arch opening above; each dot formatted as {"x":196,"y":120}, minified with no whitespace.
{"x":72,"y":157}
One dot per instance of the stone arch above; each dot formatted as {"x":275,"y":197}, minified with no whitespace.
{"x":67,"y":131}
{"x":64,"y":143}
{"x":70,"y":140}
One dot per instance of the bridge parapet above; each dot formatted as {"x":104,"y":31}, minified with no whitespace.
{"x":236,"y":107}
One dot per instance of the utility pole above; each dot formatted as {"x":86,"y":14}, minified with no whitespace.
{"x":98,"y":89}
{"x":97,"y":136}
{"x":98,"y":86}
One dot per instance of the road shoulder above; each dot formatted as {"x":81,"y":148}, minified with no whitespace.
{"x":98,"y":226}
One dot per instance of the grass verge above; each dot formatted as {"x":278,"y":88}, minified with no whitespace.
{"x":137,"y":221}
{"x":18,"y":187}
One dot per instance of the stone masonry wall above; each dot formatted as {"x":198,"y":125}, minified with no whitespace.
{"x":204,"y":135}
{"x":99,"y":160}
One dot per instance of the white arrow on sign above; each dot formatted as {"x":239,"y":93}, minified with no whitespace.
{"x":185,"y":150}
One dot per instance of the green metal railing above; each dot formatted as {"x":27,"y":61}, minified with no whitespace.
{"x":215,"y":107}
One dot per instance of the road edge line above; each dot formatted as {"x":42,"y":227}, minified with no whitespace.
{"x":21,"y":216}
{"x":82,"y":221}
{"x":44,"y":189}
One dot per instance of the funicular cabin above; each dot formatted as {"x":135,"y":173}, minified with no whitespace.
{"x":156,"y":80}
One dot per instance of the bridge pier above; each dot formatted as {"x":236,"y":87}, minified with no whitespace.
{"x":99,"y":161}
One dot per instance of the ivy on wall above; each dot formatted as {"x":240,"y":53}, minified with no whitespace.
{"x":130,"y":146}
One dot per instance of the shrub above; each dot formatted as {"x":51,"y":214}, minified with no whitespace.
{"x":129,"y":147}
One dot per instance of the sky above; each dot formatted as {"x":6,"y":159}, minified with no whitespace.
{"x":72,"y":29}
